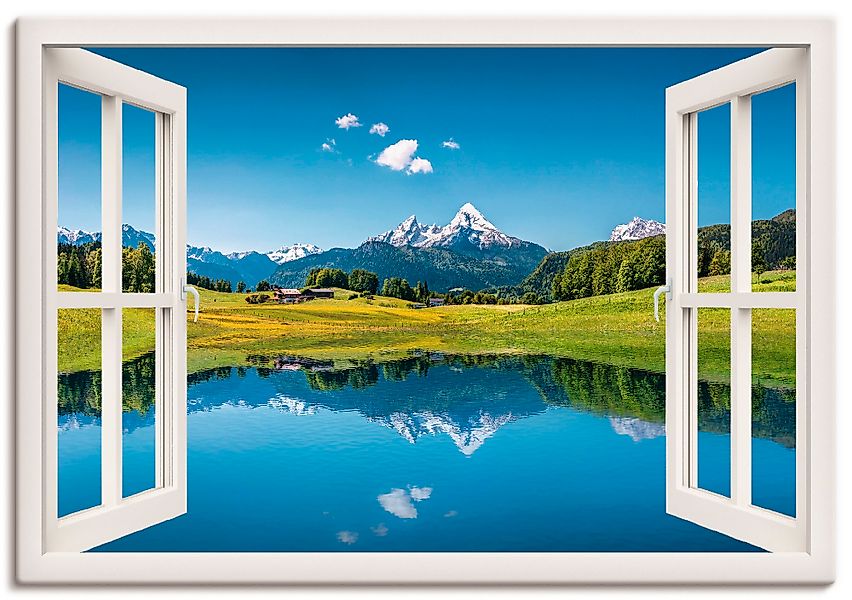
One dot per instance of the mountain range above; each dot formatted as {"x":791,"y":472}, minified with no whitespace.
{"x":129,"y":237}
{"x":250,"y":266}
{"x":468,"y":230}
{"x":637,"y":229}
{"x":469,"y":251}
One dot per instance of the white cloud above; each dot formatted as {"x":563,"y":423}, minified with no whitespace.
{"x":400,"y":156}
{"x":346,"y":121}
{"x":418,"y":494}
{"x":397,"y":156}
{"x":379,"y":129}
{"x":398,"y":503}
{"x":451,"y":144}
{"x":347,"y":537}
{"x":419,"y":165}
{"x":451,"y":513}
{"x":380,"y":530}
{"x":329,"y":145}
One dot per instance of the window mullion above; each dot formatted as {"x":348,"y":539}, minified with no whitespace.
{"x":741,"y":317}
{"x":691,"y":280}
{"x":162,"y":258}
{"x":111,"y":338}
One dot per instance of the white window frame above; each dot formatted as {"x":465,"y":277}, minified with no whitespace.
{"x":735,"y":84}
{"x":118,"y":84}
{"x":816,"y":565}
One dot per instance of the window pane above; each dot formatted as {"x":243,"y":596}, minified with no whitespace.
{"x":774,"y":190}
{"x":79,"y":409}
{"x":138,"y":406}
{"x":79,"y":190}
{"x":714,"y":199}
{"x":714,"y":400}
{"x":774,"y":409}
{"x":139,"y":198}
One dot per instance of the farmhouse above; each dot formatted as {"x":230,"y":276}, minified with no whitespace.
{"x":319,"y":293}
{"x":436,"y":302}
{"x":287,"y":294}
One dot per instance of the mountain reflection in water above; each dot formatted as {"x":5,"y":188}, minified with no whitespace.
{"x":538,"y":437}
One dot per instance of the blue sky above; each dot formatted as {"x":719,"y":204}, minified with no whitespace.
{"x":556,"y":146}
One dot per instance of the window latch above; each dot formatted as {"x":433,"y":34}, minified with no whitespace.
{"x":663,"y":289}
{"x":186,"y":288}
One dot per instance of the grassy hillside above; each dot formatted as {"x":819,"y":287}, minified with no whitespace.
{"x":615,"y":329}
{"x":774,"y":238}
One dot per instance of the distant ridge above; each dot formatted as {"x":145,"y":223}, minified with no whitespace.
{"x":637,"y":229}
{"x":249,"y":267}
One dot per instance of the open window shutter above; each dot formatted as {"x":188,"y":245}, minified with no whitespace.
{"x":733,"y":515}
{"x":116,"y":515}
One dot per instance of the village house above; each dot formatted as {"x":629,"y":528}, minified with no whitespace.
{"x":292,"y":295}
{"x":320,"y":293}
{"x":287,"y":295}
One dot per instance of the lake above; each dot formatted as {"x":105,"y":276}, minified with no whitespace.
{"x":430,"y":453}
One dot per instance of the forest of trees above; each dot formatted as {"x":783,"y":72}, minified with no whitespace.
{"x":608,"y":268}
{"x":611,"y":269}
{"x":80,"y":266}
{"x":495,"y":296}
{"x":359,"y":280}
{"x":216,"y":285}
{"x":397,"y":287}
{"x":327,"y":277}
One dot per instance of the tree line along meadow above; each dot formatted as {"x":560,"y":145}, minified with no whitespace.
{"x":599,"y":269}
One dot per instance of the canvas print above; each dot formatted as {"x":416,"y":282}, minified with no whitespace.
{"x":426,"y":284}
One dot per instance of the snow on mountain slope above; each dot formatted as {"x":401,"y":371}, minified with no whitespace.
{"x":294,"y":252}
{"x":468,"y":224}
{"x":130,"y":236}
{"x":75,"y":237}
{"x":637,"y":229}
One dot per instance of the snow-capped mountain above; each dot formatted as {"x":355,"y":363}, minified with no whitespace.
{"x":637,"y":229}
{"x":249,"y":267}
{"x":468,"y":226}
{"x":206,"y":254}
{"x":76,"y":237}
{"x":130,"y":236}
{"x":408,"y":233}
{"x":469,"y":252}
{"x":294,"y":252}
{"x":133,"y":237}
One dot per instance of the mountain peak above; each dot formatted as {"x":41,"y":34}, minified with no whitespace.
{"x":469,"y":209}
{"x":469,"y":216}
{"x":788,"y":216}
{"x":294,"y":252}
{"x":408,"y":233}
{"x":468,"y":225}
{"x":637,"y":229}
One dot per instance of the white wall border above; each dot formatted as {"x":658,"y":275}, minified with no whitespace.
{"x":817,"y":566}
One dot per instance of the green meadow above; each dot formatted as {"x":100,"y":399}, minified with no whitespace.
{"x":616,"y":329}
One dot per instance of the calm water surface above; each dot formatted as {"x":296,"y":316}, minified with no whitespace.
{"x":440,"y":453}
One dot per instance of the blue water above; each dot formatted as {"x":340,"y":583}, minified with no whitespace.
{"x":434,"y":453}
